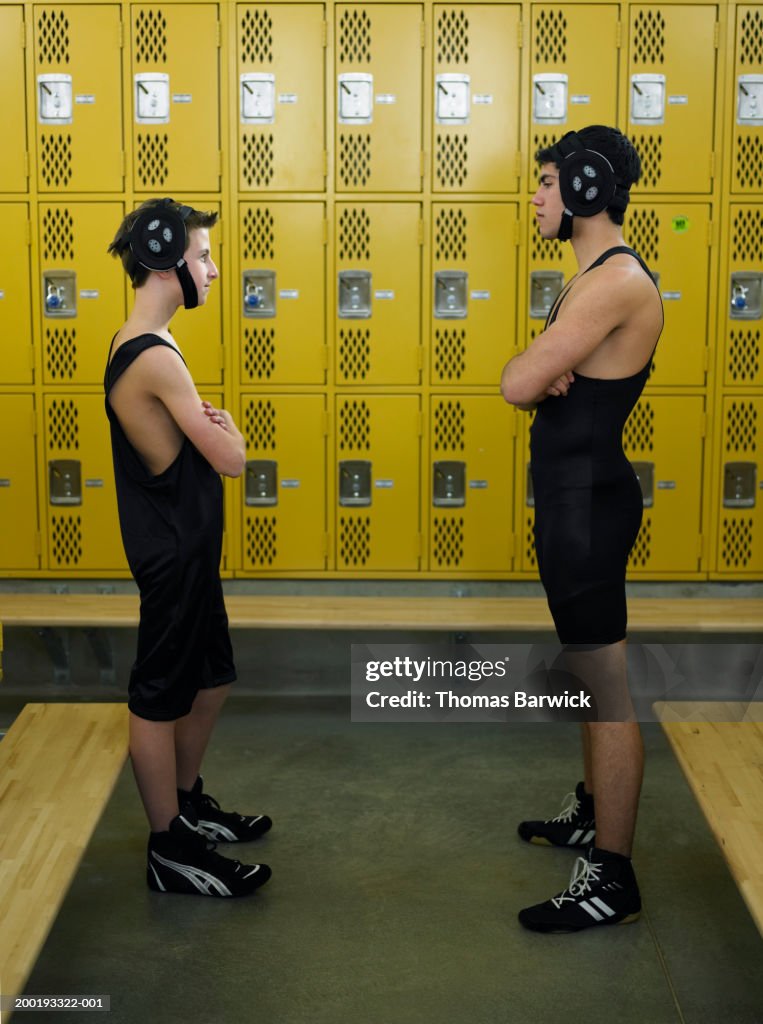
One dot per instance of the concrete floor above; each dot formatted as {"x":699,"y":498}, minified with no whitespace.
{"x":397,"y":878}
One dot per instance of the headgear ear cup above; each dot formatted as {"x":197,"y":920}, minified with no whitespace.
{"x":587,"y":182}
{"x":158,"y":242}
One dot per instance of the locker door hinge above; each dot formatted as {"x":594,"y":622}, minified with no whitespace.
{"x":517,"y":231}
{"x":422,"y":163}
{"x":518,"y":164}
{"x":219,"y":35}
{"x":423,"y":34}
{"x":712,"y":164}
{"x":121,"y":40}
{"x":220,"y":163}
{"x":325,"y":231}
{"x":326,"y":545}
{"x":701,"y":546}
{"x":325,"y":357}
{"x":618,"y":35}
{"x":419,"y":546}
{"x":223,"y":359}
{"x":324,"y":33}
{"x":520,"y":34}
{"x":32,"y":416}
{"x":28,"y":233}
{"x":22,"y":33}
{"x":26,"y":164}
{"x":706,"y":359}
{"x":421,"y":231}
{"x":703,"y":425}
{"x":326,"y":422}
{"x":420,"y":416}
{"x":420,"y":358}
{"x":325,"y":162}
{"x":31,"y":367}
{"x":38,"y":544}
{"x":710,"y":231}
{"x":123,"y":163}
{"x":717,"y":34}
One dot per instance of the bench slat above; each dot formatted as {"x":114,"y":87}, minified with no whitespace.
{"x":58,"y":766}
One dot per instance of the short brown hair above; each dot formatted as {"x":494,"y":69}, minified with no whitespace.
{"x":120,"y":247}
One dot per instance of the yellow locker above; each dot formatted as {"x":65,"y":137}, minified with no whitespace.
{"x":549,"y":264}
{"x":280,"y":286}
{"x":284,"y":492}
{"x":378,"y":293}
{"x":16,"y":366}
{"x":19,"y":537}
{"x":13,"y":172}
{"x":80,"y":497}
{"x":664,"y":440}
{"x":82,"y":289}
{"x":741,"y":295}
{"x":524,"y":503}
{"x":199,"y":332}
{"x":378,"y":97}
{"x":175,"y":84}
{"x":78,"y":101}
{"x":747,"y":145}
{"x":281,"y":114}
{"x":378,"y":442}
{"x":474,"y":267}
{"x":475,"y":142}
{"x":674,"y":241}
{"x":574,"y":68}
{"x":671,"y":95}
{"x":738,"y":493}
{"x":470,"y":484}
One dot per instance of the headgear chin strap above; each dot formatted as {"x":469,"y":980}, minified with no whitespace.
{"x":587,"y":182}
{"x":158,"y":241}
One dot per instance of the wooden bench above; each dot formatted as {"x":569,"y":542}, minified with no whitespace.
{"x":58,"y":766}
{"x":720,"y":749}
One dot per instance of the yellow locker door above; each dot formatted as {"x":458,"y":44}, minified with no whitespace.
{"x":378,"y":442}
{"x":378,"y":293}
{"x":83,"y":289}
{"x":80,"y":495}
{"x":470,"y":492}
{"x":175,"y":85}
{"x":664,"y":440}
{"x":574,"y":67}
{"x":378,"y":97}
{"x":281,"y":114}
{"x":78,"y":83}
{"x":19,"y":537}
{"x":16,"y":366}
{"x":671,"y":95}
{"x":199,"y":332}
{"x":281,"y":293}
{"x":738,"y":493}
{"x":284,"y":492}
{"x":549,"y":265}
{"x":13,"y":172}
{"x":747,"y":99}
{"x":741,"y":296}
{"x":474,"y":267}
{"x":475,"y":135}
{"x":674,"y":241}
{"x":524,"y":502}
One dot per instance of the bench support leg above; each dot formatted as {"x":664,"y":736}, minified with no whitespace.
{"x":100,"y":644}
{"x":58,"y":652}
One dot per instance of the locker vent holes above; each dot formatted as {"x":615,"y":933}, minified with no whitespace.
{"x":354,"y":540}
{"x":449,"y":427}
{"x":749,"y":162}
{"x":450,"y":235}
{"x":259,"y":352}
{"x":744,"y":354}
{"x":355,"y":160}
{"x":642,"y":550}
{"x":150,"y":38}
{"x":530,"y":555}
{"x":545,"y":251}
{"x":550,"y":37}
{"x":747,"y":236}
{"x":257,"y":37}
{"x":452,"y":160}
{"x":354,"y":426}
{"x":453,"y":38}
{"x":737,"y":542}
{"x":448,"y":541}
{"x":53,"y":38}
{"x":257,"y":159}
{"x":742,"y":427}
{"x":449,"y":354}
{"x":751,"y":39}
{"x":355,"y":37}
{"x":650,"y":150}
{"x":66,"y":539}
{"x":260,"y":426}
{"x":649,"y":37}
{"x":153,"y":159}
{"x":258,"y":235}
{"x":57,"y":235}
{"x":643,"y":232}
{"x":354,"y":353}
{"x":61,"y":352}
{"x":63,"y":429}
{"x":56,"y":159}
{"x":261,"y":540}
{"x":354,"y":235}
{"x":638,"y":434}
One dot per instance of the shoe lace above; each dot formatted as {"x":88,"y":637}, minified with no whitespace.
{"x":569,"y":809}
{"x":583,"y":874}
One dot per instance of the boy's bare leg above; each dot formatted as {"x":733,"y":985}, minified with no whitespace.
{"x":192,"y":734}
{"x":152,"y":751}
{"x":587,"y":768}
{"x":617,"y":757}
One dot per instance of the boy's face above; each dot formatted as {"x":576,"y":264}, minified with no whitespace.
{"x":200,"y":262}
{"x":548,"y":201}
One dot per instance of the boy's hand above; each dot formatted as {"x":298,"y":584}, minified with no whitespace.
{"x":218,"y":416}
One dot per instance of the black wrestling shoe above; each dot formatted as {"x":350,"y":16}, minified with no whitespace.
{"x":222,"y":826}
{"x":573,"y":826}
{"x":182,"y":860}
{"x":602,"y":890}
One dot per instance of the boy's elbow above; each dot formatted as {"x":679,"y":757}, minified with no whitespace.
{"x":514,"y":393}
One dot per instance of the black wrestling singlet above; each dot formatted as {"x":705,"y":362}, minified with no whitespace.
{"x":588,"y":502}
